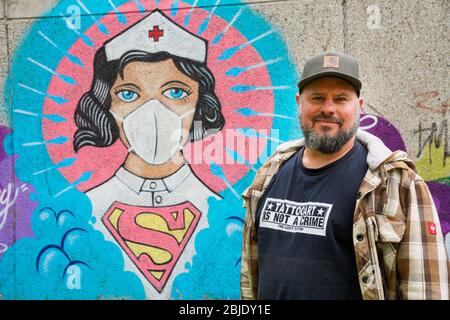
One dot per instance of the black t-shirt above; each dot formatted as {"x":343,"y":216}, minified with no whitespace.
{"x":304,"y":222}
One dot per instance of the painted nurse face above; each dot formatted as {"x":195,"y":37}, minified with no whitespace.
{"x":144,"y":81}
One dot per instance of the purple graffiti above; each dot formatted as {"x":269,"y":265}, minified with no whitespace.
{"x":15,"y":204}
{"x":3,"y":133}
{"x":384,"y":130}
{"x":441,"y":197}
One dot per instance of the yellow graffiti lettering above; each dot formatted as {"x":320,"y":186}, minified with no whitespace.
{"x":430,"y":165}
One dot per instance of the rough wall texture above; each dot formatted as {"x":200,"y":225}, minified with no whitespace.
{"x":71,"y":227}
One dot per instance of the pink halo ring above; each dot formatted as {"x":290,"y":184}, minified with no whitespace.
{"x":94,"y":159}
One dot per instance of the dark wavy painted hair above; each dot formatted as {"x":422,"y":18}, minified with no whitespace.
{"x":97,"y":126}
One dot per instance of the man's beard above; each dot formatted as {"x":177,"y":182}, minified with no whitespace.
{"x":325,"y":143}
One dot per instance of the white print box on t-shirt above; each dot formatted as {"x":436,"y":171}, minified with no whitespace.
{"x":296,"y":217}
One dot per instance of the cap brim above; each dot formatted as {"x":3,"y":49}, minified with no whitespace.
{"x":353,"y":81}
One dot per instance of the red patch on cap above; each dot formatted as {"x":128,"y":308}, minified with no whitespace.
{"x":431,"y":228}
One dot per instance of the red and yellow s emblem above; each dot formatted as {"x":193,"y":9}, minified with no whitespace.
{"x":153,"y":237}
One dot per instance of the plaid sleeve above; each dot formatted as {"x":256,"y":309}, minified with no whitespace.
{"x":249,"y":261}
{"x":422,"y":259}
{"x":249,"y":257}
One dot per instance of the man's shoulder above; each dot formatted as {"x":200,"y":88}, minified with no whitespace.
{"x":399,"y":160}
{"x":291,"y":145}
{"x":283,"y":152}
{"x":271,"y":166}
{"x":379,"y":155}
{"x":402,"y":169}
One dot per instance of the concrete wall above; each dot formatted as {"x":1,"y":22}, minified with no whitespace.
{"x":52,"y":244}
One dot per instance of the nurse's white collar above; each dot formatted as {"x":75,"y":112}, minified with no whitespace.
{"x":139,"y":184}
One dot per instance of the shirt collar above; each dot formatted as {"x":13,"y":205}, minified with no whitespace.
{"x":139,"y":184}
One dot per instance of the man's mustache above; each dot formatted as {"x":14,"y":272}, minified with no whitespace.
{"x":324,"y":117}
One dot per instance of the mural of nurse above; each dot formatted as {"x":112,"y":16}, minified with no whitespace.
{"x":153,"y":91}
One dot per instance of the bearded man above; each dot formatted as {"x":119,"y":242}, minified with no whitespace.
{"x":338,"y":215}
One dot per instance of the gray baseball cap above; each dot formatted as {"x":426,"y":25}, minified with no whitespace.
{"x":331,"y":64}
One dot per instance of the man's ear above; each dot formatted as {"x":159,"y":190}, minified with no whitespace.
{"x":361,"y":103}
{"x":298,"y":98}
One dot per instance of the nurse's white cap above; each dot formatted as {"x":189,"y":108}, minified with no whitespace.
{"x":156,"y":33}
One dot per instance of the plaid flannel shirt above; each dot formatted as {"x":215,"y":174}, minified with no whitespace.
{"x":398,"y":241}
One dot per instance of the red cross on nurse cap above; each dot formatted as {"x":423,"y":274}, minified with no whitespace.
{"x":156,"y":33}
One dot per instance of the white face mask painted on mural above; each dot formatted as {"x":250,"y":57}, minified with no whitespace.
{"x":154,"y":131}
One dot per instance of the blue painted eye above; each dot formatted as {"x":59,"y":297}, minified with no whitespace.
{"x":127,"y":95}
{"x":175,"y":93}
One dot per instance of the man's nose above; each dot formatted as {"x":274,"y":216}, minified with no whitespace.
{"x":328,"y":106}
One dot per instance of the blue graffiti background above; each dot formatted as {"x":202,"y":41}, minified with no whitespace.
{"x":67,"y":258}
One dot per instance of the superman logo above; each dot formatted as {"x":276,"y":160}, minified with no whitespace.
{"x":153,"y":237}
